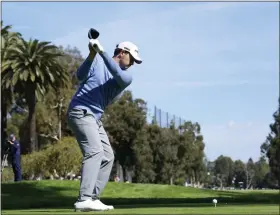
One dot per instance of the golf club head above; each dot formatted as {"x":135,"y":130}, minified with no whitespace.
{"x":93,"y":34}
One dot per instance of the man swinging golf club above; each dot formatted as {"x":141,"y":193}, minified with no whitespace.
{"x":102,"y":80}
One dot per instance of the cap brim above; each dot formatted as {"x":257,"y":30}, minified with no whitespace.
{"x":137,"y":59}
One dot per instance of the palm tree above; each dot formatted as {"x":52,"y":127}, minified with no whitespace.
{"x":35,"y":68}
{"x":8,"y":39}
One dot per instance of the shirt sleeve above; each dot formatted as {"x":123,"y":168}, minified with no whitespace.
{"x":123,"y":78}
{"x":86,"y":67}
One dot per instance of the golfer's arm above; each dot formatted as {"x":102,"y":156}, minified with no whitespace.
{"x":123,"y":78}
{"x":83,"y":70}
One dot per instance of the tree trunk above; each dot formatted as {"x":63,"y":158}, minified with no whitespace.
{"x":128,"y":174}
{"x":171,"y":180}
{"x":59,"y":118}
{"x":220,"y":179}
{"x":195,"y":177}
{"x":119,"y":171}
{"x":59,"y":129}
{"x":124,"y":175}
{"x":4,"y":107}
{"x":248,"y":180}
{"x":221,"y":184}
{"x":31,"y":102}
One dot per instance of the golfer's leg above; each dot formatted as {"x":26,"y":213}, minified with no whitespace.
{"x":86,"y":131}
{"x":106,"y":165}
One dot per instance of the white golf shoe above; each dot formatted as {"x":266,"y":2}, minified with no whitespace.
{"x":109,"y":207}
{"x":90,"y":205}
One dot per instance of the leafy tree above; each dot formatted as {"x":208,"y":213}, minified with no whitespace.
{"x":35,"y":69}
{"x":261,"y":170}
{"x":8,"y":40}
{"x":51,"y":112}
{"x":51,"y":119}
{"x":250,"y":173}
{"x":154,"y":135}
{"x":14,"y":123}
{"x":145,"y":165}
{"x":271,"y":147}
{"x":198,"y":165}
{"x":168,"y":148}
{"x":122,"y":120}
{"x":191,"y":151}
{"x":270,"y":181}
{"x":71,"y":60}
{"x":224,"y":170}
{"x":239,"y":173}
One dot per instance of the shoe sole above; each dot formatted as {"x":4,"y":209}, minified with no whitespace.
{"x":89,"y":209}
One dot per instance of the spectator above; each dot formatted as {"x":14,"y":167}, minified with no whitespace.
{"x":15,"y":154}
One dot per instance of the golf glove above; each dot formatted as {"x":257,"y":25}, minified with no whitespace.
{"x":96,"y":45}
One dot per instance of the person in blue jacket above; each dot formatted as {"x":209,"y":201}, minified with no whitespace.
{"x":15,"y":154}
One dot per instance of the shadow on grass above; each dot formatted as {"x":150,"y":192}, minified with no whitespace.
{"x":30,"y":195}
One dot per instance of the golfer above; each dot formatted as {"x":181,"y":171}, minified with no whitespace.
{"x":102,"y":80}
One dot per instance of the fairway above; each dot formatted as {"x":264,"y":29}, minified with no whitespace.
{"x":163,"y":209}
{"x":57,"y":197}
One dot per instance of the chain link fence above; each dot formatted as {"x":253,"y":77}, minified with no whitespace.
{"x":164,"y":119}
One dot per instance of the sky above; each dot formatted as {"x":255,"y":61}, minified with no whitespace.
{"x":215,"y":63}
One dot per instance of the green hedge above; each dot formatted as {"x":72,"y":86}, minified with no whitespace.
{"x":7,"y":174}
{"x":64,"y":156}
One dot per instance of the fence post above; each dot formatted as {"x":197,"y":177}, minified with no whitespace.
{"x":167,"y":120}
{"x":180,"y":122}
{"x":159,"y":117}
{"x":155,"y":115}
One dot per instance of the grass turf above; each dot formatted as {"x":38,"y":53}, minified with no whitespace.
{"x":57,"y":197}
{"x":186,"y":209}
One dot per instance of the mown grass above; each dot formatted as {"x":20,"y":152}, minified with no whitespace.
{"x":58,"y":197}
{"x":187,"y":209}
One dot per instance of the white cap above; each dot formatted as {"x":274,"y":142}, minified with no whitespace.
{"x":132,"y":49}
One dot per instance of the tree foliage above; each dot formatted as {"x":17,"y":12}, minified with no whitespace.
{"x":8,"y":40}
{"x":34,"y":69}
{"x":271,"y":147}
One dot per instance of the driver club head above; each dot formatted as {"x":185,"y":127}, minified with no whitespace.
{"x":93,"y":34}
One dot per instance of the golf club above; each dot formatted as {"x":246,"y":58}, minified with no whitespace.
{"x":93,"y":34}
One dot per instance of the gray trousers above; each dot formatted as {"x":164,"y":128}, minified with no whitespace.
{"x":98,"y":156}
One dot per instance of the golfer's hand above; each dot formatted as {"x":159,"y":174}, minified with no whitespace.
{"x":96,"y":46}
